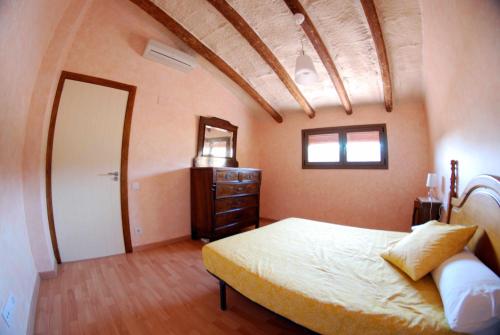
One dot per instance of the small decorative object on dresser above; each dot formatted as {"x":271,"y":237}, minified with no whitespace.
{"x":425,"y":209}
{"x":224,"y":198}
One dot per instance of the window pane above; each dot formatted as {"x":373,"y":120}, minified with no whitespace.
{"x":323,"y":148}
{"x":363,"y":146}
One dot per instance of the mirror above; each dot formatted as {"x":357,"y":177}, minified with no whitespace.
{"x":216,"y":143}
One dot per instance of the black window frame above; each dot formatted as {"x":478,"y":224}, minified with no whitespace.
{"x":343,"y":163}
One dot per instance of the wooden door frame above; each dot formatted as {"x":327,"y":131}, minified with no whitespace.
{"x":124,"y":153}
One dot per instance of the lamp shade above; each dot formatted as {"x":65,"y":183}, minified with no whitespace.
{"x":305,"y":73}
{"x":432,"y":180}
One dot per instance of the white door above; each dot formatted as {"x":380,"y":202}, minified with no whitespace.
{"x":85,"y":171}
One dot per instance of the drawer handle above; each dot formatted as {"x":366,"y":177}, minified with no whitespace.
{"x":239,"y":188}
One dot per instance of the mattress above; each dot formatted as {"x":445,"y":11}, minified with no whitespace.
{"x":328,"y":278}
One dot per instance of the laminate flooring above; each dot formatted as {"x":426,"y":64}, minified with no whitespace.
{"x":159,"y":291}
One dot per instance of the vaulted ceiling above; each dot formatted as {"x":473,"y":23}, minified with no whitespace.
{"x":259,"y":41}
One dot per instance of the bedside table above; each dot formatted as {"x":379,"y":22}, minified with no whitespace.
{"x":425,"y":210}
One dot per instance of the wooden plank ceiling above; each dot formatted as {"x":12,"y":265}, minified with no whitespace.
{"x":356,"y":46}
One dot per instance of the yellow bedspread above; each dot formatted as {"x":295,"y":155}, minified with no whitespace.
{"x":328,"y":278}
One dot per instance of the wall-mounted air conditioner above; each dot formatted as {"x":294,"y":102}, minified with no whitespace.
{"x":166,"y":55}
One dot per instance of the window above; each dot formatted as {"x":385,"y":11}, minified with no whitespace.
{"x":351,"y":147}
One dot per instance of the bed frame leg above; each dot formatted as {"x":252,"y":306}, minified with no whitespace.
{"x":222,"y":288}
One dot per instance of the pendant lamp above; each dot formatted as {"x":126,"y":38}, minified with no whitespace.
{"x":305,"y":73}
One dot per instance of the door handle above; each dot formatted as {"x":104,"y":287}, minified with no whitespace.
{"x":114,"y":174}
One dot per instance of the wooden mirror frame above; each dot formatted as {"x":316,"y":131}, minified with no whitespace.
{"x":207,"y":161}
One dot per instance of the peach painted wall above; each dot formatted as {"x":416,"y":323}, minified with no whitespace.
{"x":26,"y":28}
{"x":36,"y":134}
{"x":461,"y":49}
{"x":381,"y":199}
{"x":165,"y":118}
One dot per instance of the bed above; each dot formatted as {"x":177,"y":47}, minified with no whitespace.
{"x":331,"y":279}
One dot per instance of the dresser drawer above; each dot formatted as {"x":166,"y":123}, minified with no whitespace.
{"x":236,"y":216}
{"x":224,"y":190}
{"x":249,"y":176}
{"x":226,"y":175}
{"x":222,"y":205}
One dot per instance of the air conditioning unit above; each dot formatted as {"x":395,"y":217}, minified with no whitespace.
{"x":166,"y":55}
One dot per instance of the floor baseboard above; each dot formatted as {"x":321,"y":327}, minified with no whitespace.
{"x":48,"y":274}
{"x":263,"y":222}
{"x":32,"y":313}
{"x":266,"y":221}
{"x":161,"y":243}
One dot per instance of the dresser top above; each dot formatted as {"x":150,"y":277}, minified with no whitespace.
{"x":224,"y":168}
{"x":429,"y":200}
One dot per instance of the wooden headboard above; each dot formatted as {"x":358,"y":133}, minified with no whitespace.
{"x":479,"y":205}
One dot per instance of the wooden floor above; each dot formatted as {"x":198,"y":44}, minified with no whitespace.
{"x":159,"y":291}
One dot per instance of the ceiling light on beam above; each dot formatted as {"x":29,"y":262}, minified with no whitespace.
{"x":299,"y":18}
{"x":308,"y":27}
{"x":305,"y":73}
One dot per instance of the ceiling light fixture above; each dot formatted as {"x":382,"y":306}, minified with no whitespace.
{"x":299,"y":18}
{"x":305,"y":73}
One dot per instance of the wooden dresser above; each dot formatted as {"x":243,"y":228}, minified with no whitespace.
{"x":223,"y":200}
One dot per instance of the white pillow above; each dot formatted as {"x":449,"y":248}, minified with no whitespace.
{"x":470,"y":292}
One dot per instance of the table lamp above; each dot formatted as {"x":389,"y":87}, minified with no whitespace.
{"x":432,"y":182}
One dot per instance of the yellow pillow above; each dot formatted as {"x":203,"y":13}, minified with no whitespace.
{"x":427,"y":247}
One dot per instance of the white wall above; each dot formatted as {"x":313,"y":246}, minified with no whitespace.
{"x":462,"y":86}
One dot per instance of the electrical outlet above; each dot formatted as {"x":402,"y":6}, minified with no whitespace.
{"x":138,"y":230}
{"x":8,"y":310}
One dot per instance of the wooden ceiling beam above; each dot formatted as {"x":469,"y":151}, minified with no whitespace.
{"x":318,"y":44}
{"x":378,"y":39}
{"x":263,"y":50}
{"x":171,"y":24}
